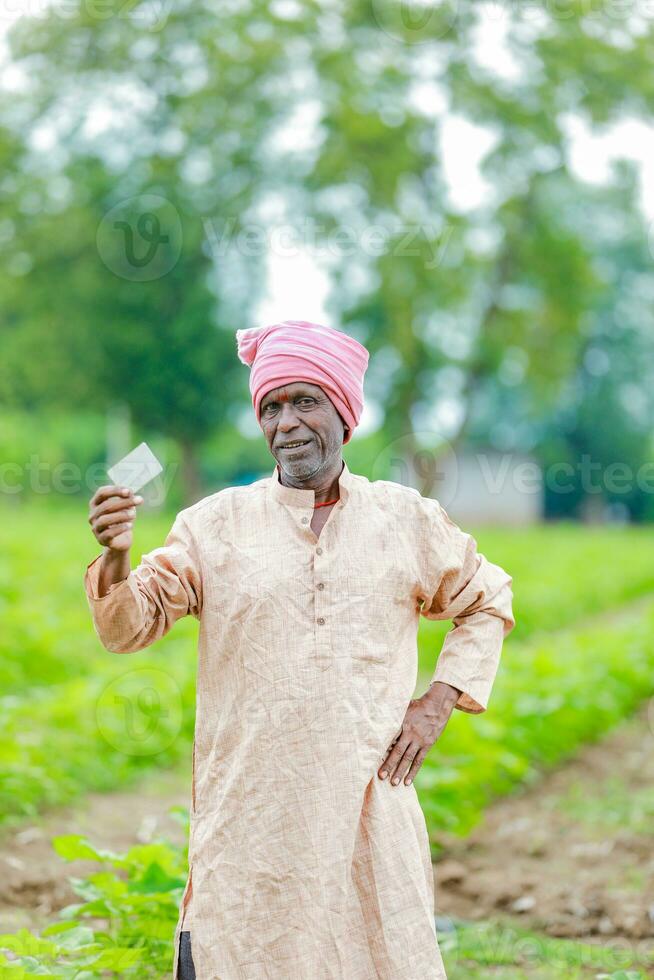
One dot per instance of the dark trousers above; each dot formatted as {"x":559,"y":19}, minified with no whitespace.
{"x":185,"y":968}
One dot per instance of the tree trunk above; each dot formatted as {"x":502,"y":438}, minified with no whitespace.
{"x":118,"y":430}
{"x":192,"y":489}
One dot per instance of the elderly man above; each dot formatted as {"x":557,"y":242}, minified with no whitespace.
{"x":309,"y":856}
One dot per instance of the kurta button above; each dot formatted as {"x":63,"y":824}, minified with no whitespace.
{"x":319,"y":551}
{"x":321,"y":585}
{"x":321,"y":621}
{"x":305,"y":520}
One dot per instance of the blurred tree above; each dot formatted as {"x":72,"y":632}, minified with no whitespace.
{"x":470,"y":295}
{"x":131,"y":227}
{"x":479,"y":318}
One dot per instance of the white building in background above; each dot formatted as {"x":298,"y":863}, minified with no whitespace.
{"x":488,"y":487}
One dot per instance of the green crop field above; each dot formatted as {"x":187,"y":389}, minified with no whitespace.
{"x":560,"y":672}
{"x":580,"y":659}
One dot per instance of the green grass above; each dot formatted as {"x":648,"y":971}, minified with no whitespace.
{"x":552,"y":695}
{"x":506,"y":953}
{"x":55,"y":673}
{"x":561,"y":573}
{"x":562,"y":681}
{"x":615,"y":806}
{"x":566,"y":677}
{"x":47,"y":636}
{"x":52,"y":748}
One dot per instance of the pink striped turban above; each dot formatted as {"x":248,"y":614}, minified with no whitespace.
{"x":296,"y":350}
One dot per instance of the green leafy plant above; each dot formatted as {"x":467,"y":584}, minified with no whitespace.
{"x":123,"y":925}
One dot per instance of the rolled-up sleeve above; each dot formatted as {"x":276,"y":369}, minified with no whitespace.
{"x":166,"y":585}
{"x":476,"y":595}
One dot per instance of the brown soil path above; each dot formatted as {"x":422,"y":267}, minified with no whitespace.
{"x":574,"y":855}
{"x":33,"y":876}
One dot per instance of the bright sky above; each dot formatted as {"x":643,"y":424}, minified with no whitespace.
{"x":462,"y":146}
{"x":297,"y":288}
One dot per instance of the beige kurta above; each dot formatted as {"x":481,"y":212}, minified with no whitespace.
{"x":303,"y":864}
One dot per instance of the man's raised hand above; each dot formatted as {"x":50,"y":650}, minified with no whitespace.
{"x":112,"y":511}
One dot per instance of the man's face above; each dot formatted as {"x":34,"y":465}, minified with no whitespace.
{"x":301,"y":412}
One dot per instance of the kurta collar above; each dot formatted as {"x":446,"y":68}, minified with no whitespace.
{"x":295,"y":497}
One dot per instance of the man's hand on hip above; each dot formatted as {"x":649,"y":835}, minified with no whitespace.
{"x":425,"y":719}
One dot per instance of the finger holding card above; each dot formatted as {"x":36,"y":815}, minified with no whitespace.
{"x":113,"y":507}
{"x":112,"y":517}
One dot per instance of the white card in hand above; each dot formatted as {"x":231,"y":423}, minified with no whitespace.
{"x":136,"y":469}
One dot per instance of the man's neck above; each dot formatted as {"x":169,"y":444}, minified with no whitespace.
{"x":324,"y":489}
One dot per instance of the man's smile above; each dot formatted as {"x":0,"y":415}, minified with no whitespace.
{"x":294,"y":446}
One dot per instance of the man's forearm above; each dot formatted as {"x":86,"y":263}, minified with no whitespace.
{"x":442,"y":694}
{"x":115,"y":566}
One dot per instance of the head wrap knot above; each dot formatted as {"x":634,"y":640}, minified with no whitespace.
{"x":297,"y":350}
